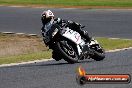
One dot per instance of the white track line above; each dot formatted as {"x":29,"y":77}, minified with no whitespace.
{"x":17,"y":6}
{"x":18,"y":33}
{"x":22,"y":63}
{"x":116,"y":50}
{"x":37,"y":61}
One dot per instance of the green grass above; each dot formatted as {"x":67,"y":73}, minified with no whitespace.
{"x":115,"y":3}
{"x":108,"y":44}
{"x":111,"y":44}
{"x":25,"y":57}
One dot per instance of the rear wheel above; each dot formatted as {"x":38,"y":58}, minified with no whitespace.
{"x":67,"y":51}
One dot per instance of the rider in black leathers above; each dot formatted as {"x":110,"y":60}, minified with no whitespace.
{"x":47,"y":18}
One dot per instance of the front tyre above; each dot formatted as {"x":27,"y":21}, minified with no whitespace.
{"x":67,"y":51}
{"x":98,"y":56}
{"x":99,"y":53}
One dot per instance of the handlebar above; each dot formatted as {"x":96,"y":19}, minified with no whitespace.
{"x":82,"y":26}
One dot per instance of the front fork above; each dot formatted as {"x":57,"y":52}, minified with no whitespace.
{"x":86,"y":52}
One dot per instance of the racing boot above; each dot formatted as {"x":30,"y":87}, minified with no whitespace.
{"x":85,"y":35}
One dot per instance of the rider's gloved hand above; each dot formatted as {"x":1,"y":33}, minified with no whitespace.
{"x":78,"y":24}
{"x":58,"y":20}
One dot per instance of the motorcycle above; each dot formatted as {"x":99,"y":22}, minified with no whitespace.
{"x":69,"y":45}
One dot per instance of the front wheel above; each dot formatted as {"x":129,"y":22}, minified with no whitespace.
{"x":99,"y":53}
{"x":98,"y":56}
{"x":67,"y":51}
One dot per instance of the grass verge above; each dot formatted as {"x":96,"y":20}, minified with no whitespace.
{"x":31,"y":47}
{"x":113,"y":3}
{"x":25,"y":57}
{"x":112,"y":44}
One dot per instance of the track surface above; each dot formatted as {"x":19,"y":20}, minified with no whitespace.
{"x":52,"y":74}
{"x":102,"y":23}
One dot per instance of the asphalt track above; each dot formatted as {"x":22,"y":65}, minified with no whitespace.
{"x":52,"y":74}
{"x":102,"y":23}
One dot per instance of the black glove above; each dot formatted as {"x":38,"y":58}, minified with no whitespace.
{"x":74,"y":25}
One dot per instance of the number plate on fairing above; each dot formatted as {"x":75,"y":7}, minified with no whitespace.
{"x":93,"y":42}
{"x":72,"y":35}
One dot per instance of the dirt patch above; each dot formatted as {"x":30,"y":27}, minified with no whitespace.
{"x":12,"y":44}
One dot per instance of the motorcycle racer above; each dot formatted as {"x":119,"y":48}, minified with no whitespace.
{"x":68,"y":41}
{"x":48,"y":19}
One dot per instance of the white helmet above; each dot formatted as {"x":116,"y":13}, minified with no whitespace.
{"x":46,"y":16}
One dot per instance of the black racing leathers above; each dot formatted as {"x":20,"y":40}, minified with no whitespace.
{"x":72,"y":25}
{"x":62,"y":23}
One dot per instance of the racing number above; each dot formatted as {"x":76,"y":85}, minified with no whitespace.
{"x":71,"y":31}
{"x":77,"y":36}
